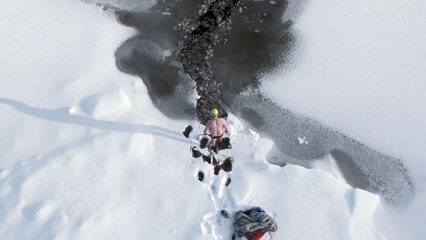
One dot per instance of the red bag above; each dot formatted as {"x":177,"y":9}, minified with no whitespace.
{"x":257,"y":235}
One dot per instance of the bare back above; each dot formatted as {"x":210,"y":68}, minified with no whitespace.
{"x":215,"y":127}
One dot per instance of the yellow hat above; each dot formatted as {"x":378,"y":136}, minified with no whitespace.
{"x":214,"y":112}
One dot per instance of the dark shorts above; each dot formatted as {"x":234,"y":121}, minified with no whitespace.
{"x":217,"y":137}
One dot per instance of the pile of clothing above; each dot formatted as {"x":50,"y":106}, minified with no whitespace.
{"x":253,"y":224}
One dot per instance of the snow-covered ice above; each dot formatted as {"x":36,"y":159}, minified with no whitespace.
{"x":86,"y":155}
{"x":360,"y":68}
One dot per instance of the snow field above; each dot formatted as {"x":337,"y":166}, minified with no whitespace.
{"x":129,"y":5}
{"x":85,"y":154}
{"x":315,"y":199}
{"x":360,"y":68}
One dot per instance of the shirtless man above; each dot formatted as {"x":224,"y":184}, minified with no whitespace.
{"x":215,"y":126}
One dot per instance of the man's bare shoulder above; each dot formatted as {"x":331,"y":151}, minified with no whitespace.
{"x":222,"y":120}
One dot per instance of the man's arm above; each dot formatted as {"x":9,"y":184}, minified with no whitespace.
{"x":225,"y":126}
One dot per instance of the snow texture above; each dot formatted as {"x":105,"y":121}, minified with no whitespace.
{"x":360,"y":67}
{"x":86,"y":155}
{"x":128,"y":5}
